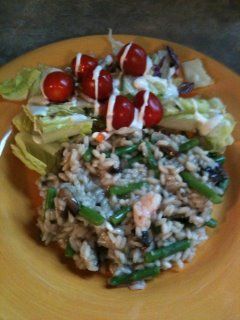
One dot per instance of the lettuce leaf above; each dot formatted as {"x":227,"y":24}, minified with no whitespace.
{"x":18,"y":88}
{"x":53,"y":123}
{"x":41,"y":158}
{"x":60,"y":128}
{"x":208,"y":117}
{"x":22,"y":122}
{"x":116,"y":45}
{"x":160,"y":87}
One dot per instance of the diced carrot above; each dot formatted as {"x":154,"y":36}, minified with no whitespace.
{"x":100,"y":137}
{"x":190,"y":134}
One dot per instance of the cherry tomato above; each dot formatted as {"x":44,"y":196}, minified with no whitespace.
{"x":135,"y":60}
{"x":86,"y":65}
{"x":123,"y":112}
{"x":58,"y":86}
{"x":105,"y":85}
{"x":153,"y":111}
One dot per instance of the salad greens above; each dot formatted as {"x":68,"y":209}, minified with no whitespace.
{"x":18,"y":88}
{"x":41,"y":158}
{"x":43,"y":126}
{"x":42,"y":129}
{"x":209,"y":117}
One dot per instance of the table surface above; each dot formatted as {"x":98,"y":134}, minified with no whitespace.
{"x":212,"y":26}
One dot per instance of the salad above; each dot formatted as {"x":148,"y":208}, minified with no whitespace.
{"x":130,"y":157}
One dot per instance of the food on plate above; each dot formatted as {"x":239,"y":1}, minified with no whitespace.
{"x":130,"y":157}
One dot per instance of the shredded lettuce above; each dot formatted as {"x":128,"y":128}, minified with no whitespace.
{"x":42,"y":129}
{"x":18,"y":88}
{"x":195,"y":72}
{"x":60,"y":128}
{"x":116,"y":45}
{"x":22,"y":122}
{"x":160,"y":87}
{"x":41,"y":158}
{"x":208,"y":117}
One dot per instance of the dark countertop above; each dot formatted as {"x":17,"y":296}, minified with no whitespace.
{"x":210,"y":26}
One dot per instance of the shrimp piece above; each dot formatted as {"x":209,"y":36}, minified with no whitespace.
{"x":145,"y":209}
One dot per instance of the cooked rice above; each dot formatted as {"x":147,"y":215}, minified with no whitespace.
{"x":181,"y":214}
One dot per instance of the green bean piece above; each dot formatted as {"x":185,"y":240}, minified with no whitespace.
{"x":87,"y":156}
{"x":51,"y":194}
{"x":108,"y":153}
{"x":129,"y":96}
{"x":124,"y":278}
{"x":224,"y":184}
{"x":139,"y":158}
{"x":145,"y":273}
{"x":186,"y":146}
{"x":136,"y":275}
{"x":212,"y":223}
{"x":195,"y":184}
{"x":152,"y":162}
{"x":156,"y":229}
{"x":126,"y":149}
{"x":91,"y":215}
{"x":219,"y":158}
{"x":119,"y":215}
{"x":122,"y":190}
{"x":166,"y":251}
{"x":69,"y":252}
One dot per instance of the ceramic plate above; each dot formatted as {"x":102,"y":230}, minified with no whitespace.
{"x":37,"y":283}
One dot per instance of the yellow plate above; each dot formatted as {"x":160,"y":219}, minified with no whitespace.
{"x":38,"y":283}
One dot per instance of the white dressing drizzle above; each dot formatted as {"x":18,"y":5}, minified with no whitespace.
{"x":149,"y":65}
{"x":205,"y":125}
{"x":78,"y":63}
{"x":138,"y":120}
{"x":143,"y":107}
{"x":136,"y":123}
{"x":124,"y":55}
{"x":110,"y":112}
{"x":96,"y":73}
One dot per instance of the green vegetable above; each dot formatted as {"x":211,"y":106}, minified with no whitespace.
{"x":184,"y":147}
{"x":221,"y":135}
{"x":91,"y":215}
{"x":151,"y":161}
{"x":22,"y":122}
{"x":126,"y":150}
{"x":212,"y":223}
{"x":41,"y":158}
{"x":156,"y":229}
{"x":224,"y":184}
{"x":136,"y":275}
{"x":42,"y":130}
{"x":145,"y":273}
{"x":60,"y":128}
{"x":219,"y":158}
{"x":208,"y":117}
{"x":120,"y":215}
{"x":121,"y":279}
{"x":202,"y":188}
{"x":18,"y":88}
{"x":88,"y":155}
{"x":127,"y":86}
{"x":49,"y":202}
{"x":69,"y":252}
{"x":108,"y":153}
{"x":139,"y":158}
{"x":115,"y":44}
{"x":129,"y":96}
{"x":166,"y":251}
{"x":122,"y":190}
